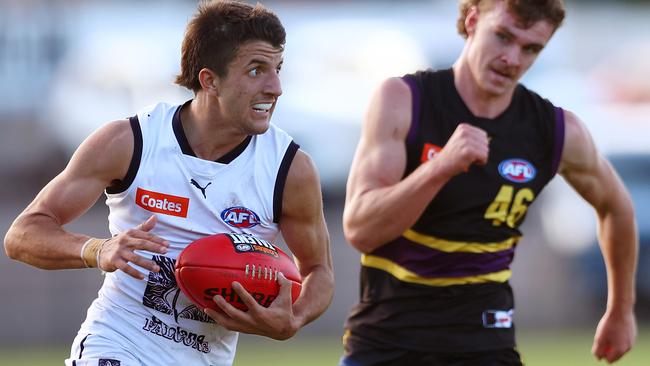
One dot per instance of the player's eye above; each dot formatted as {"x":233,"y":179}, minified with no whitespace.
{"x":532,"y":50}
{"x":254,"y":72}
{"x":502,"y":37}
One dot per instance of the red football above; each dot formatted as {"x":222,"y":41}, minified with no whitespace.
{"x":209,"y":265}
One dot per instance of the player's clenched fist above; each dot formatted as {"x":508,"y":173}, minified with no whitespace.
{"x":118,"y":251}
{"x":467,"y":145}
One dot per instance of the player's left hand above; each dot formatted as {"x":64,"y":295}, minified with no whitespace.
{"x":615,"y":335}
{"x":277,"y":321}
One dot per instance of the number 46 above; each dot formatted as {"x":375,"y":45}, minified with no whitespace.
{"x":506,"y":209}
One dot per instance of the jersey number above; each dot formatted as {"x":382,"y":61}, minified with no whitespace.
{"x":506,"y":209}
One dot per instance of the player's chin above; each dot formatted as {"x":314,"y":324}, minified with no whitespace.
{"x":499,"y":87}
{"x":259,"y":126}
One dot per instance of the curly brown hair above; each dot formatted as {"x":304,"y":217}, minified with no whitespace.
{"x":528,"y":12}
{"x":217,"y":31}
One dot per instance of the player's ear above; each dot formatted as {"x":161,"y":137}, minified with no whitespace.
{"x":209,"y":81}
{"x":471,"y":19}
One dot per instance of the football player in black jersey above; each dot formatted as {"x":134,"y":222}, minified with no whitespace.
{"x":448,"y":163}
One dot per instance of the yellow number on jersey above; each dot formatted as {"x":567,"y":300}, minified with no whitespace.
{"x":500,"y":210}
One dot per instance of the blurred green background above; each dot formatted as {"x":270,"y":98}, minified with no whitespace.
{"x":569,"y":348}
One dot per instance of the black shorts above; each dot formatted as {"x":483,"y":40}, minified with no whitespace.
{"x":499,"y":357}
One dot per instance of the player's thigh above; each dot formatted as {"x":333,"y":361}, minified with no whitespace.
{"x":95,"y":350}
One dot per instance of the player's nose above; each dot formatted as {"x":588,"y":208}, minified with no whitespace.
{"x":273,"y":85}
{"x":512,"y":56}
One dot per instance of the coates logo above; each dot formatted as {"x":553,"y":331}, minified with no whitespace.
{"x":429,"y":151}
{"x":240,"y":217}
{"x":517,"y":170}
{"x":162,"y":203}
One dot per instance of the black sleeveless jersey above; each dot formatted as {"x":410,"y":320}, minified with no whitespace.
{"x":443,"y":284}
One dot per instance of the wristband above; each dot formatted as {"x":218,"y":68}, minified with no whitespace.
{"x":91,"y":250}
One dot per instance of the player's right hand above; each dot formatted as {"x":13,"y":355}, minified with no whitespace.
{"x":118,"y":251}
{"x":278,"y":321}
{"x":467,"y":145}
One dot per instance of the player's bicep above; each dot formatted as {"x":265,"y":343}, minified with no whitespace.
{"x":302,"y":222}
{"x":380,"y":159}
{"x":583,"y":167}
{"x":101,"y":159}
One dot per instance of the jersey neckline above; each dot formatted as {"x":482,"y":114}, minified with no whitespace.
{"x":184,"y":144}
{"x":450,"y":79}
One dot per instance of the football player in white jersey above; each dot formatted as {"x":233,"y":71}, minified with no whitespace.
{"x":172,"y":174}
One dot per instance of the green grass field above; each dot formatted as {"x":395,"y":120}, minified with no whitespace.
{"x":571,"y":348}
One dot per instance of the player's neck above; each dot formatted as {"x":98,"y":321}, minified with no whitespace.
{"x":480,"y":102}
{"x":207,"y":136}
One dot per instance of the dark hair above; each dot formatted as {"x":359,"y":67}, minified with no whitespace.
{"x":217,"y":31}
{"x":527,"y":12}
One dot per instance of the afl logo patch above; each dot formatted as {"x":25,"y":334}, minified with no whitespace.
{"x":517,"y":170}
{"x":240,"y":217}
{"x":243,"y":248}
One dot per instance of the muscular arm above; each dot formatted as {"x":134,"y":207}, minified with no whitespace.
{"x":305,"y":232}
{"x":37,"y":236}
{"x":597,"y":182}
{"x":379,"y":205}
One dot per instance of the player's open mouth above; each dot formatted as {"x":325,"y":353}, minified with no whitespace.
{"x":262,"y":107}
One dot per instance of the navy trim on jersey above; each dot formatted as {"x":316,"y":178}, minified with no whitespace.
{"x":415,"y":114}
{"x":124,"y":184}
{"x":177,"y":126}
{"x":180,"y":134}
{"x":81,"y":345}
{"x":234,"y":153}
{"x":559,"y":140}
{"x":281,"y":179}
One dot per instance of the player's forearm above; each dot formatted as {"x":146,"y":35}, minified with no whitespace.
{"x":619,"y":244}
{"x":316,"y":295}
{"x":375,"y":217}
{"x":38,"y":240}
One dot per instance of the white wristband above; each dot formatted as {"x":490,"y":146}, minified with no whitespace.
{"x":90,"y":252}
{"x":81,"y":253}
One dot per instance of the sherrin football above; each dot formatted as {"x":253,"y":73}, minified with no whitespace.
{"x":208,"y":266}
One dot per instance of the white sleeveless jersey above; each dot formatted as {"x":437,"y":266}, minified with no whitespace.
{"x":191,"y":198}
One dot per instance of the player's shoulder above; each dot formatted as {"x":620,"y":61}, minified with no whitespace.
{"x":157,"y":111}
{"x":392,"y":91}
{"x":114,"y":133}
{"x":158,"y":107}
{"x":522,"y":92}
{"x":425,"y":77}
{"x":407,"y":84}
{"x":303,"y":170}
{"x":390,"y":109}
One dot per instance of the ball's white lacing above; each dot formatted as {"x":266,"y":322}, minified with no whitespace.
{"x":270,"y":274}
